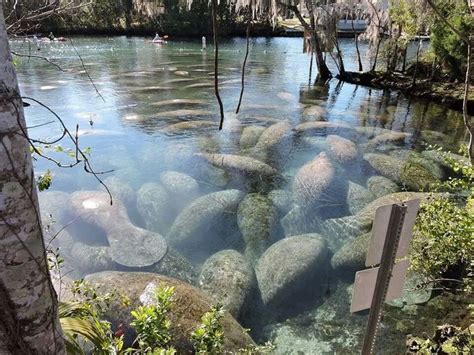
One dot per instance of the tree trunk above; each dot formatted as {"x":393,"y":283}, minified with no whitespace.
{"x":356,"y":39}
{"x":324,"y":72}
{"x":467,"y":119}
{"x":28,"y":301}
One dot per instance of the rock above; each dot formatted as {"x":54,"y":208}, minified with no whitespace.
{"x":250,"y":136}
{"x":202,"y":228}
{"x":298,"y":221}
{"x":154,"y":206}
{"x":358,"y":197}
{"x":419,"y":174}
{"x":381,"y":186}
{"x":175,"y":265}
{"x":229,"y":279}
{"x":385,"y":165}
{"x":287,"y":268}
{"x":257,"y":219}
{"x":341,"y":149}
{"x":440,"y":158}
{"x":312,"y":181}
{"x":91,"y":258}
{"x":351,"y":257}
{"x":183,"y":188}
{"x":189,"y":305}
{"x":240,"y":164}
{"x":129,"y":245}
{"x":121,"y":190}
{"x":282,"y":200}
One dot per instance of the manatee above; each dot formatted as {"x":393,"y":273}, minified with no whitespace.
{"x":181,"y":73}
{"x":151,"y":89}
{"x":287,"y":268}
{"x":286,"y":96}
{"x":204,"y":226}
{"x":313,"y":180}
{"x":178,"y":102}
{"x":282,"y":200}
{"x":358,"y":197}
{"x":381,"y":186}
{"x":419,"y":173}
{"x":341,"y":149}
{"x":250,"y":136}
{"x":240,"y":164}
{"x":129,"y":245}
{"x":316,"y":111}
{"x":183,"y":113}
{"x":338,"y":231}
{"x":351,"y":257}
{"x":154,"y":204}
{"x":200,"y":85}
{"x":272,"y":139}
{"x":121,"y":190}
{"x":229,"y":279}
{"x":257,"y":218}
{"x":91,"y":258}
{"x":392,"y":137}
{"x":183,"y":188}
{"x":385,"y":165}
{"x":300,"y":221}
{"x":190,"y":126}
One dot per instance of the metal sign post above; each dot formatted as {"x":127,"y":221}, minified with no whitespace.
{"x":391,"y":235}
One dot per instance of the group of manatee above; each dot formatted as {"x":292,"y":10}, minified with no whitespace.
{"x":260,"y":233}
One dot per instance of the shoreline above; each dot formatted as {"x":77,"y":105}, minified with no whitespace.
{"x":444,"y":93}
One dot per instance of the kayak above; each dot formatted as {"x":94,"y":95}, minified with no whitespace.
{"x":158,"y":41}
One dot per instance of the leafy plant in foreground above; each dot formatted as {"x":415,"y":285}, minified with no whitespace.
{"x":152,"y":324}
{"x":208,"y":338}
{"x":443,"y":242}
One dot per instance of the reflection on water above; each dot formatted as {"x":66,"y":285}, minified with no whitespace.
{"x":289,"y":182}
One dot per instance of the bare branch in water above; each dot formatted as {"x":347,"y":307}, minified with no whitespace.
{"x":85,"y":70}
{"x":216,"y":61}
{"x":244,"y":63}
{"x":79,"y":155}
{"x":38,"y":57}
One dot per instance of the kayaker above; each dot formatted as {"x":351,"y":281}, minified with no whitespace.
{"x":157,"y":38}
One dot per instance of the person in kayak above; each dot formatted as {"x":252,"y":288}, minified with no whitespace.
{"x":157,"y":38}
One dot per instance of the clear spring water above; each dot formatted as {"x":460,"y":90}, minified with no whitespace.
{"x":129,"y":136}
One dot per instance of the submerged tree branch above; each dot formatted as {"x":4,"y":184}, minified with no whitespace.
{"x":243,"y":65}
{"x":216,"y":61}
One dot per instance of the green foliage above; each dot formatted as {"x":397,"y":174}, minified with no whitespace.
{"x":151,"y":322}
{"x":443,"y":242}
{"x":208,"y":338}
{"x":81,"y":321}
{"x":446,"y":44}
{"x":44,"y":181}
{"x":448,"y":339}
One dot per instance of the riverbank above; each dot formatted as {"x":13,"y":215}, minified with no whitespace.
{"x":445,"y":93}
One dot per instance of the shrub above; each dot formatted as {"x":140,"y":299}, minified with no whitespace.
{"x":208,"y":338}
